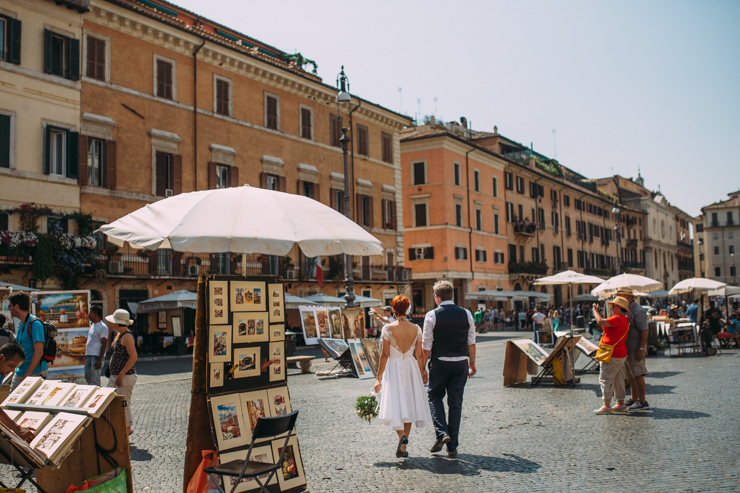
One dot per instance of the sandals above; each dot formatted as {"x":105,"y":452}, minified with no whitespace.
{"x":401,"y":450}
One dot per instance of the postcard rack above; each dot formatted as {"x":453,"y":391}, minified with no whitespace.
{"x":103,"y":445}
{"x":240,"y":374}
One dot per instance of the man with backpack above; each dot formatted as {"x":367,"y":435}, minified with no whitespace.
{"x":31,"y":335}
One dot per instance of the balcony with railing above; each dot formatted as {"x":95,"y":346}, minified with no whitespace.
{"x":525,"y":228}
{"x":539,"y":268}
{"x":686,"y":244}
{"x":590,"y":271}
{"x":631,"y":243}
{"x":633,"y":265}
{"x":686,"y":266}
{"x":168,"y":264}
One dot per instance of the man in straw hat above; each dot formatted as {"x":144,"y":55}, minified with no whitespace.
{"x":637,"y":337}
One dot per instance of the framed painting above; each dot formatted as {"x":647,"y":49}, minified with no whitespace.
{"x":277,"y":302}
{"x":277,"y":367}
{"x":279,"y":401}
{"x":246,"y":362}
{"x":335,"y":323}
{"x":322,"y":323}
{"x":248,"y":296}
{"x":250,"y":327}
{"x":291,"y":473}
{"x":71,"y":347}
{"x":228,"y":422}
{"x":219,"y":344}
{"x":217,"y":375}
{"x":218,"y":302}
{"x":277,"y":332}
{"x":359,"y":355}
{"x":372,"y":349}
{"x":176,"y":327}
{"x":254,"y":406}
{"x":259,"y":454}
{"x":308,"y":323}
{"x":67,"y":309}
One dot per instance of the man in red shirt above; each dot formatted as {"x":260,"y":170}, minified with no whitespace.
{"x":611,"y":374}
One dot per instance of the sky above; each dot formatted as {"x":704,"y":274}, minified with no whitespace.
{"x":605,"y":87}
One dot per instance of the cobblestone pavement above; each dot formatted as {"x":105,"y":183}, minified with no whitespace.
{"x":534,"y":439}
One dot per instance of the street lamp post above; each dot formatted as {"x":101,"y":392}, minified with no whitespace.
{"x":344,"y":97}
{"x":615,"y":211}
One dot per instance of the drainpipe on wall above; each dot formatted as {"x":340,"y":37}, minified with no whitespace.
{"x":470,"y":226}
{"x":195,"y":113}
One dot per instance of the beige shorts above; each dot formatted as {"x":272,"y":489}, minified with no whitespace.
{"x":634,"y":368}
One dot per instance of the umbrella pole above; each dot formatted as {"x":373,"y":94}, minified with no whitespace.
{"x":572,"y":344}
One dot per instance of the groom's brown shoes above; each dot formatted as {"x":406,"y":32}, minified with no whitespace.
{"x":439,"y":443}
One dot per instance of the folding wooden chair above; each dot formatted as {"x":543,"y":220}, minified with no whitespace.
{"x":265,"y":428}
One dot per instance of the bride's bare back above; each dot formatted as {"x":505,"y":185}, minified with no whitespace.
{"x":404,"y":334}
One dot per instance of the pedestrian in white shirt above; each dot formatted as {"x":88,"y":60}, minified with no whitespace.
{"x":97,"y":343}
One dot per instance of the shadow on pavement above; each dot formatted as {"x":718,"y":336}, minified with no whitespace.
{"x":140,"y":455}
{"x":466,"y":464}
{"x":164,"y":367}
{"x":667,"y":414}
{"x":663,"y":374}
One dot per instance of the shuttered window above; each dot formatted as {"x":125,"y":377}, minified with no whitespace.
{"x":335,"y":130}
{"x":271,"y":112}
{"x":61,"y":55}
{"x":164,"y":79}
{"x":4,"y":141}
{"x":223,"y":97}
{"x":306,"y":123}
{"x":363,"y":146}
{"x":95,"y":58}
{"x":387,"y":147}
{"x":419,"y":173}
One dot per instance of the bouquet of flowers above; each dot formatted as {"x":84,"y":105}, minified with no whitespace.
{"x":367,"y":407}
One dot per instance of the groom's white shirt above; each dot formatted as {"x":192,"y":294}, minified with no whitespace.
{"x":427,"y":337}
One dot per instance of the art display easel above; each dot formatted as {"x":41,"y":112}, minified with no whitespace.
{"x":586,"y":347}
{"x":561,"y":352}
{"x":102,"y":446}
{"x":344,"y":360}
{"x":245,"y":360}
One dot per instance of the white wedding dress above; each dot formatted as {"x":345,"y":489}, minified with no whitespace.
{"x":403,"y":398}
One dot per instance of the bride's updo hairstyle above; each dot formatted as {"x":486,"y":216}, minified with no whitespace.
{"x":400,"y":304}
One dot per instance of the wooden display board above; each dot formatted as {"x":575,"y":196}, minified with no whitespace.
{"x":239,"y":371}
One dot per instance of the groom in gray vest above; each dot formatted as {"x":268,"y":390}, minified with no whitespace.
{"x":449,"y":339}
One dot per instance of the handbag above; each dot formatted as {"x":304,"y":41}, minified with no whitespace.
{"x":605,"y":351}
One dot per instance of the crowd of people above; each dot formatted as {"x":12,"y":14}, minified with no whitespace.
{"x":22,"y":352}
{"x":549,"y":317}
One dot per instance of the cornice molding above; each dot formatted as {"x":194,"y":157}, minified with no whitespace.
{"x":170,"y":38}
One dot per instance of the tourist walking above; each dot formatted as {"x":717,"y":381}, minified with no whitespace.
{"x":611,"y":374}
{"x":635,"y":368}
{"x":97,"y":343}
{"x":122,"y":360}
{"x":31,"y":336}
{"x":449,"y":342}
{"x":402,"y":377}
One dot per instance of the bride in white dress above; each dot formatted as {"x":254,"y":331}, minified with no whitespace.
{"x":404,"y":400}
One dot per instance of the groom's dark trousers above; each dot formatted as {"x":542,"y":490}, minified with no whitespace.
{"x":447,"y":377}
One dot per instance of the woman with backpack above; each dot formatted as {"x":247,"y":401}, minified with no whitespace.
{"x":122,"y":361}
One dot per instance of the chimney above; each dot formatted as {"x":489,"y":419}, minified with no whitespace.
{"x":431,"y":121}
{"x":495,"y":130}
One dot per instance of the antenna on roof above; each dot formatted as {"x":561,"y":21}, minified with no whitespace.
{"x":554,"y":144}
{"x":400,"y":95}
{"x":418,"y":102}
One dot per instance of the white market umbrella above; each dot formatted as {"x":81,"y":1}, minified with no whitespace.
{"x":634,"y":281}
{"x":696,"y":284}
{"x":325,"y":299}
{"x":491,"y":294}
{"x":728,"y":291}
{"x":569,"y":278}
{"x":242,"y":220}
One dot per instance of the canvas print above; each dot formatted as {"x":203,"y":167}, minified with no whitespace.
{"x":69,"y":374}
{"x":532,"y":349}
{"x":277,"y":303}
{"x":71,"y":347}
{"x":250,"y":327}
{"x":219,"y":344}
{"x":335,"y":347}
{"x":361,"y":356}
{"x":277,"y":367}
{"x":308,"y":323}
{"x":587,"y":346}
{"x":354,"y":321}
{"x":246,"y":362}
{"x":218,"y":308}
{"x":335,"y":323}
{"x":248,"y":296}
{"x":228,"y":422}
{"x":259,"y":454}
{"x":322,"y":322}
{"x":67,"y":309}
{"x":291,"y":472}
{"x":277,"y":332}
{"x":254,"y":406}
{"x":372,"y":349}
{"x":217,"y":375}
{"x":279,"y":401}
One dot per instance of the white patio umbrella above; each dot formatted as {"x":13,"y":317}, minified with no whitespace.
{"x":325,"y":299}
{"x":696,"y":284}
{"x":634,"y":281}
{"x":242,"y":220}
{"x":569,"y":278}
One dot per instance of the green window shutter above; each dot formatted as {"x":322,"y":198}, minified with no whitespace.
{"x":47,"y":150}
{"x":14,"y":41}
{"x":73,"y":154}
{"x":74,"y":58}
{"x":48,"y":54}
{"x":4,"y":141}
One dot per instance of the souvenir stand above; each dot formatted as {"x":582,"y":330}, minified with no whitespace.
{"x":101,"y":444}
{"x":239,"y":375}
